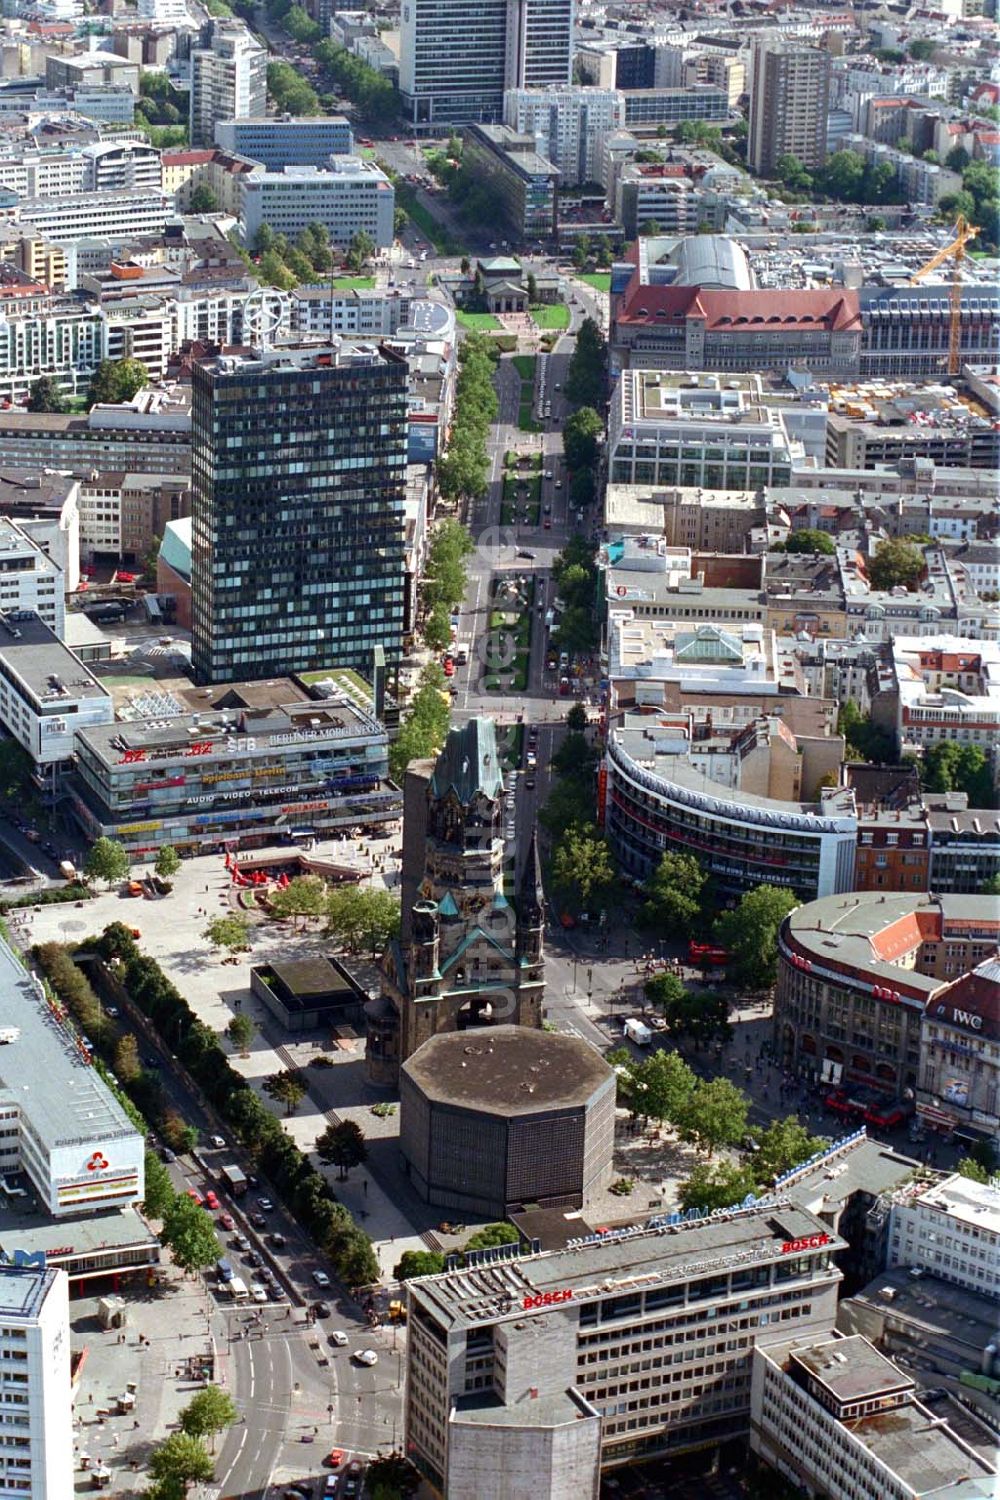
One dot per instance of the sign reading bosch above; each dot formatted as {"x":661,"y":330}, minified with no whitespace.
{"x":547,"y":1299}
{"x":807,"y":1242}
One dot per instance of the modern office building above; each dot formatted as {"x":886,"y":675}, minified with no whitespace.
{"x":789,"y":101}
{"x":121,"y":166}
{"x":952,"y":1230}
{"x":529,"y":1376}
{"x":151,"y":434}
{"x":568,"y":122}
{"x":856,"y":975}
{"x":456,"y":59}
{"x":350,"y":197}
{"x":523,"y":184}
{"x":36,"y":1436}
{"x":514,"y":1116}
{"x":46,"y":693}
{"x":834,"y":1416}
{"x":697,"y":430}
{"x":228,"y":80}
{"x":465,"y":960}
{"x":287,"y":141}
{"x":299,"y":469}
{"x":63,"y":1128}
{"x":110,"y":214}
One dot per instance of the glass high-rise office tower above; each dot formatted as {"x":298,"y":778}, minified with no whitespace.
{"x":299,"y":467}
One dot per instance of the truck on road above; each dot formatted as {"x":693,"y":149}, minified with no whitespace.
{"x":638,"y":1032}
{"x":234,"y":1178}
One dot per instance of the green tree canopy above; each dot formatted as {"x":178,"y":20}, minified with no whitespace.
{"x":750,"y":933}
{"x":948,"y":766}
{"x":782,"y":1146}
{"x":241,"y":1031}
{"x":675,"y":894}
{"x":117,"y":380}
{"x":288,"y":1087}
{"x":45,"y":394}
{"x":167,"y":862}
{"x":208,"y":1412}
{"x":811,"y":540}
{"x":127,"y":1064}
{"x":180,"y":1460}
{"x":159,"y":1192}
{"x":391,"y":1476}
{"x":896,"y":563}
{"x":231,"y":932}
{"x":715,"y":1115}
{"x":719,"y":1184}
{"x":304,"y":896}
{"x":342,"y":1146}
{"x":587,"y":375}
{"x":362,"y":917}
{"x":582,"y":867}
{"x":107,"y":860}
{"x":203,"y":200}
{"x":658,"y":1087}
{"x":581,"y":434}
{"x":418,"y":1263}
{"x":492,"y":1235}
{"x":190,"y":1234}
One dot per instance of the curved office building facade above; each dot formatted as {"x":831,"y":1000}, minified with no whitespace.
{"x":740,"y":839}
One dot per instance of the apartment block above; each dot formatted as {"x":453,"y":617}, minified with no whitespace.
{"x":789,"y":100}
{"x":36,"y":1437}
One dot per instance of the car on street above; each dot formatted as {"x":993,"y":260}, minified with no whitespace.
{"x":258,"y":1221}
{"x":321,"y":1278}
{"x":167,"y":1155}
{"x":332,"y":1485}
{"x":152,"y":1062}
{"x":531,"y":760}
{"x":321,"y":1309}
{"x":227,"y":1221}
{"x":195,"y":1197}
{"x":352,"y":1477}
{"x":530,"y":783}
{"x":365,"y":1357}
{"x":548,"y":473}
{"x":448,"y":667}
{"x":265,"y":1205}
{"x":528,"y":556}
{"x":258,"y":1291}
{"x":339,"y":1338}
{"x":252,"y":1258}
{"x":278,"y":1241}
{"x":218,"y":1142}
{"x":212,"y":1200}
{"x":547,"y":524}
{"x":335,"y":1458}
{"x":277,"y":1291}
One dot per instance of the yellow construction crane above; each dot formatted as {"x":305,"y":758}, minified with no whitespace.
{"x":964,"y":233}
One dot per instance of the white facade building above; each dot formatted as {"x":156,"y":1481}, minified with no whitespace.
{"x":228,"y":80}
{"x":46,"y":693}
{"x":951,"y":1230}
{"x":36,"y":1426}
{"x":113,"y":215}
{"x":75,"y":1142}
{"x":351,"y":197}
{"x":568,"y":123}
{"x":122,"y":166}
{"x":29,"y":580}
{"x":164,"y":12}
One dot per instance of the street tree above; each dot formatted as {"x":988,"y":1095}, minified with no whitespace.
{"x":167,"y":863}
{"x":181,"y":1460}
{"x":208,"y":1412}
{"x":288,"y":1087}
{"x":575,"y":756}
{"x":665,"y":993}
{"x":241,"y":1031}
{"x":714,"y":1115}
{"x":704,"y":1017}
{"x":656,"y":1087}
{"x":230,"y":932}
{"x":582,"y":867}
{"x":127,"y":1064}
{"x":576,"y":719}
{"x":159,"y":1193}
{"x":437,"y":627}
{"x":45,"y":394}
{"x":581,"y":435}
{"x":714,"y":1185}
{"x":190,"y":1234}
{"x":418,"y":1263}
{"x":362,"y":917}
{"x":107,"y":860}
{"x":750,"y":934}
{"x":582,"y":489}
{"x":360,"y":250}
{"x":587,"y":374}
{"x":342,"y":1146}
{"x":674,"y":896}
{"x":897,"y":563}
{"x":783,"y":1145}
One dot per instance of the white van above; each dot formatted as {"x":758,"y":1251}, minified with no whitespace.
{"x":638,"y":1032}
{"x":238,"y":1289}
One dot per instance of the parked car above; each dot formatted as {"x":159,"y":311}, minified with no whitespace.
{"x":218,"y":1142}
{"x":338,"y":1338}
{"x":321,"y":1309}
{"x":321,"y":1278}
{"x":258,"y":1221}
{"x":365,"y":1357}
{"x":212,"y":1200}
